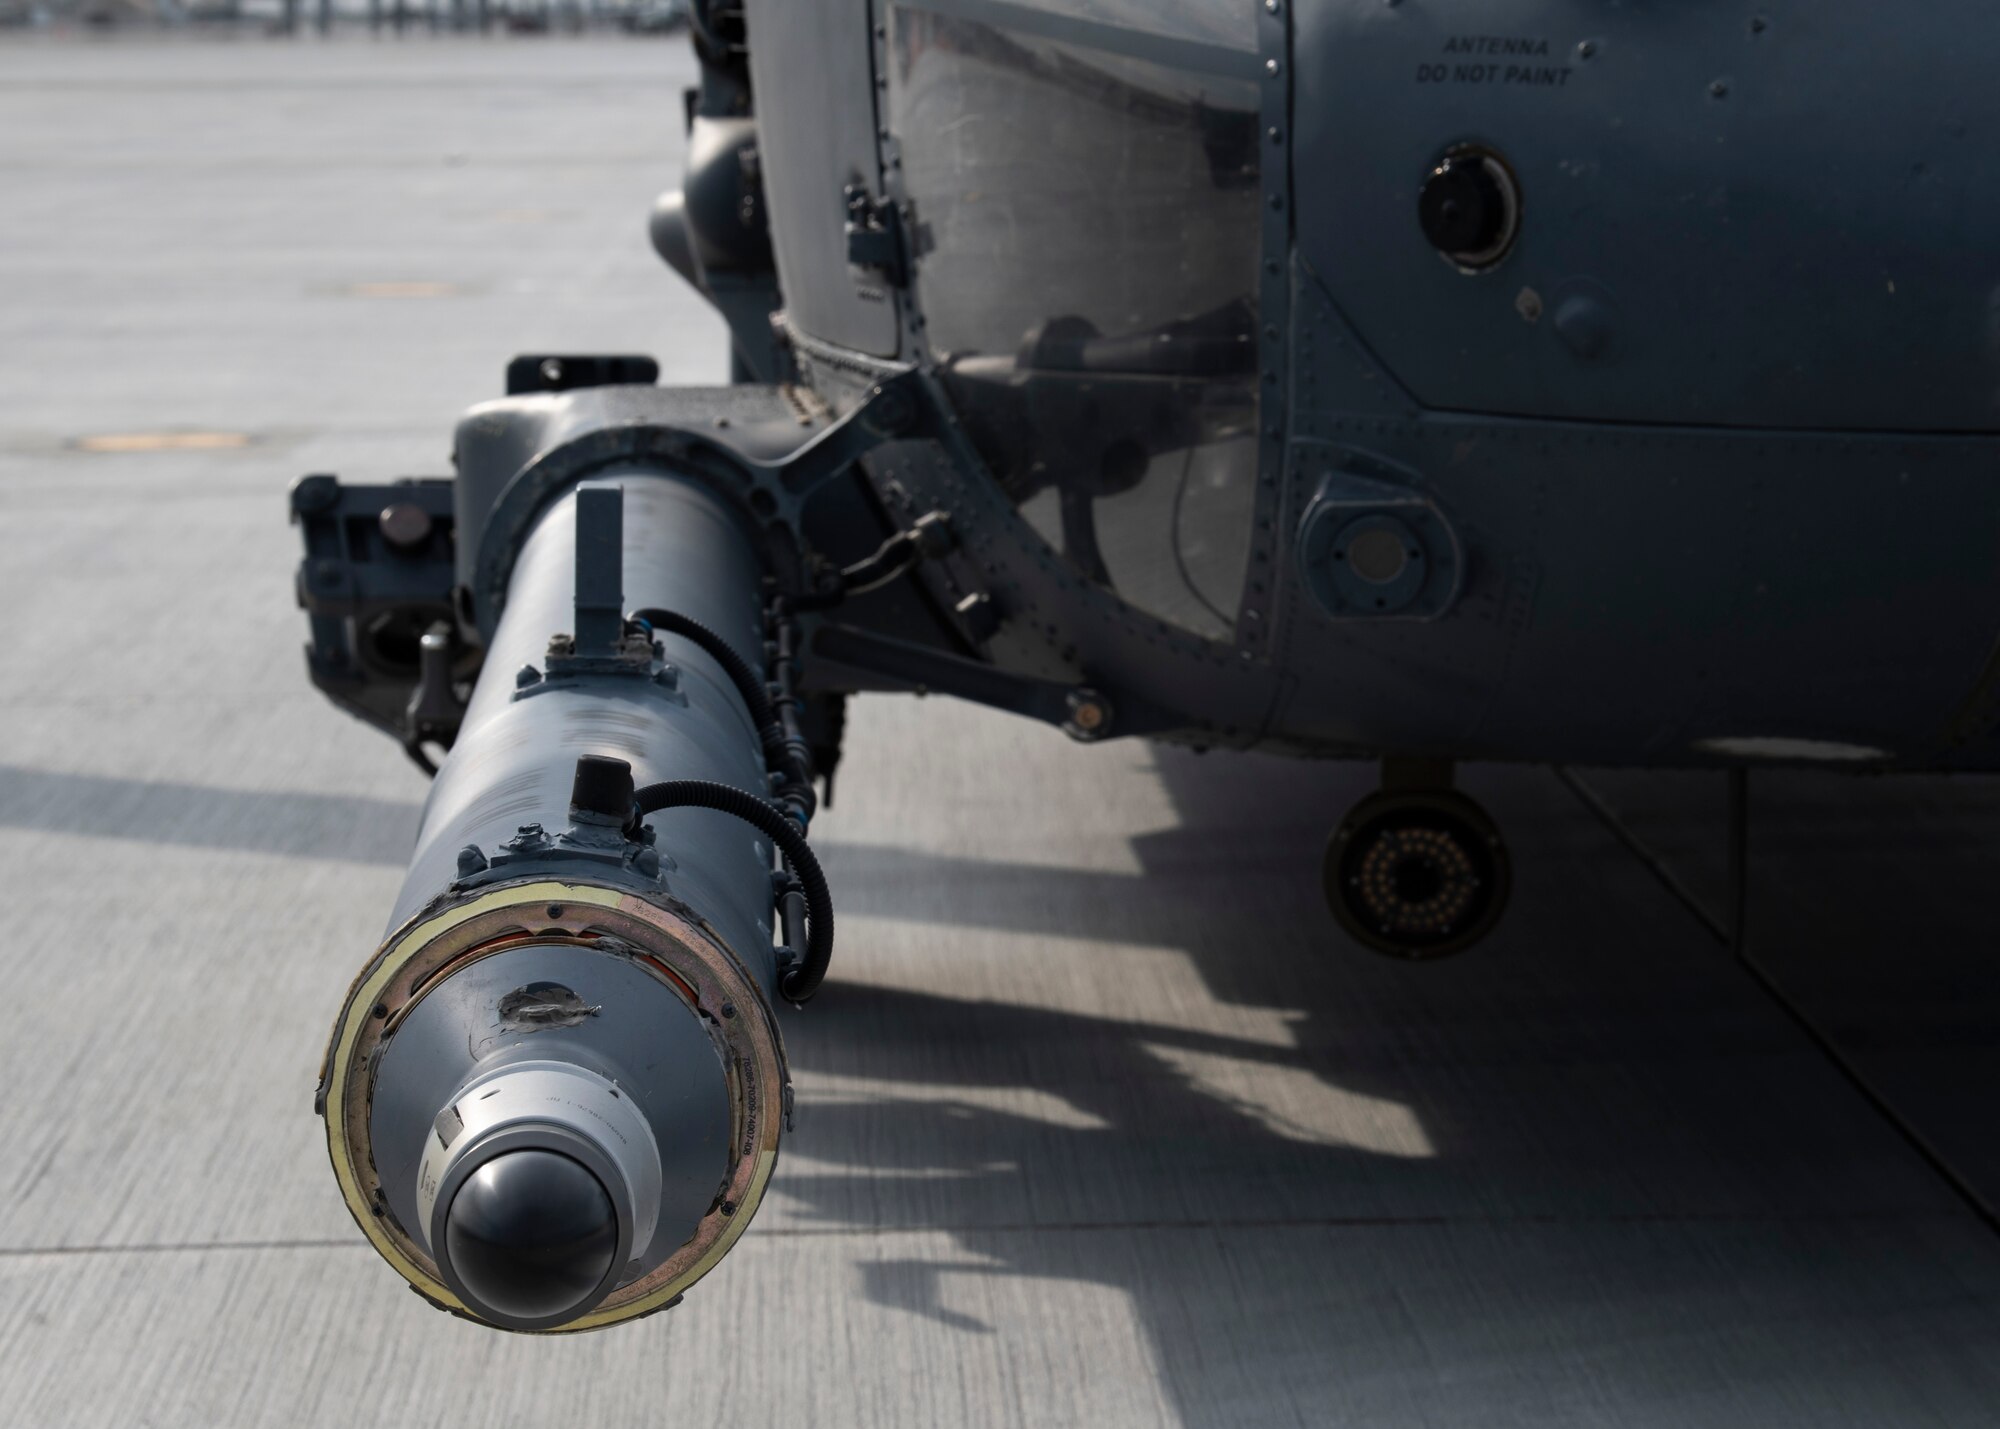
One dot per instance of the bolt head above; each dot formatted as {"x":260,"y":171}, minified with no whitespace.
{"x":405,"y":525}
{"x":315,"y":493}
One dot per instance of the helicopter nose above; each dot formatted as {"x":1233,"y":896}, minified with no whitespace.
{"x":531,"y":1235}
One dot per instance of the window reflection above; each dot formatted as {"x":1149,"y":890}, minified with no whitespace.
{"x":1086,"y":231}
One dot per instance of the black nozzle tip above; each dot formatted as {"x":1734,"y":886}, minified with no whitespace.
{"x":603,"y":786}
{"x":531,"y":1236}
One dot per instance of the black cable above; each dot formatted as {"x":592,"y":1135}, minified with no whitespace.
{"x":802,"y":980}
{"x":749,"y":684}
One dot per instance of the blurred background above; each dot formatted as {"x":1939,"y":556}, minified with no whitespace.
{"x":1100,"y":1118}
{"x":213,"y":18}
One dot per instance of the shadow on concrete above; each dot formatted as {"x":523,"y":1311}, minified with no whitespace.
{"x":1871,"y":906}
{"x":344,"y":828}
{"x":1584,"y":1174}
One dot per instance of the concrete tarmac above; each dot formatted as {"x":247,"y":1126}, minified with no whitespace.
{"x":1100,"y":1121}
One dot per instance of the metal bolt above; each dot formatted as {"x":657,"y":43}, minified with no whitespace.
{"x":316,"y":493}
{"x":405,"y":525}
{"x":1090,"y":715}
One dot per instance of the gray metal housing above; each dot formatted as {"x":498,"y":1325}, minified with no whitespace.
{"x":1697,"y":464}
{"x":1592,"y":386}
{"x":511,"y":768}
{"x":1715,"y":435}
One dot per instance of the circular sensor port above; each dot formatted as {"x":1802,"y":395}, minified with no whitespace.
{"x":532,"y":1237}
{"x":1470,"y":208}
{"x":1378,"y":554}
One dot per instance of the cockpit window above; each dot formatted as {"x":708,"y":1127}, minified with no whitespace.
{"x":1085,"y":198}
{"x":1195,"y":35}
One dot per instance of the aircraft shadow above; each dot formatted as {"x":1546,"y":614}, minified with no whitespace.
{"x":1567,"y":1172}
{"x":342,"y":828}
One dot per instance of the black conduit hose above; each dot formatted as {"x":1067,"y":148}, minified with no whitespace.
{"x":749,"y":684}
{"x":802,"y":980}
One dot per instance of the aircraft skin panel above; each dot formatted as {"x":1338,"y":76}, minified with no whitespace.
{"x":810,"y":70}
{"x":1779,"y":218}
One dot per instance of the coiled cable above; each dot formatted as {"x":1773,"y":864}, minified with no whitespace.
{"x":749,"y":684}
{"x":800,"y":981}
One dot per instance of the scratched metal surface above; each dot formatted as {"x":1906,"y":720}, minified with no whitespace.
{"x":1099,"y":1119}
